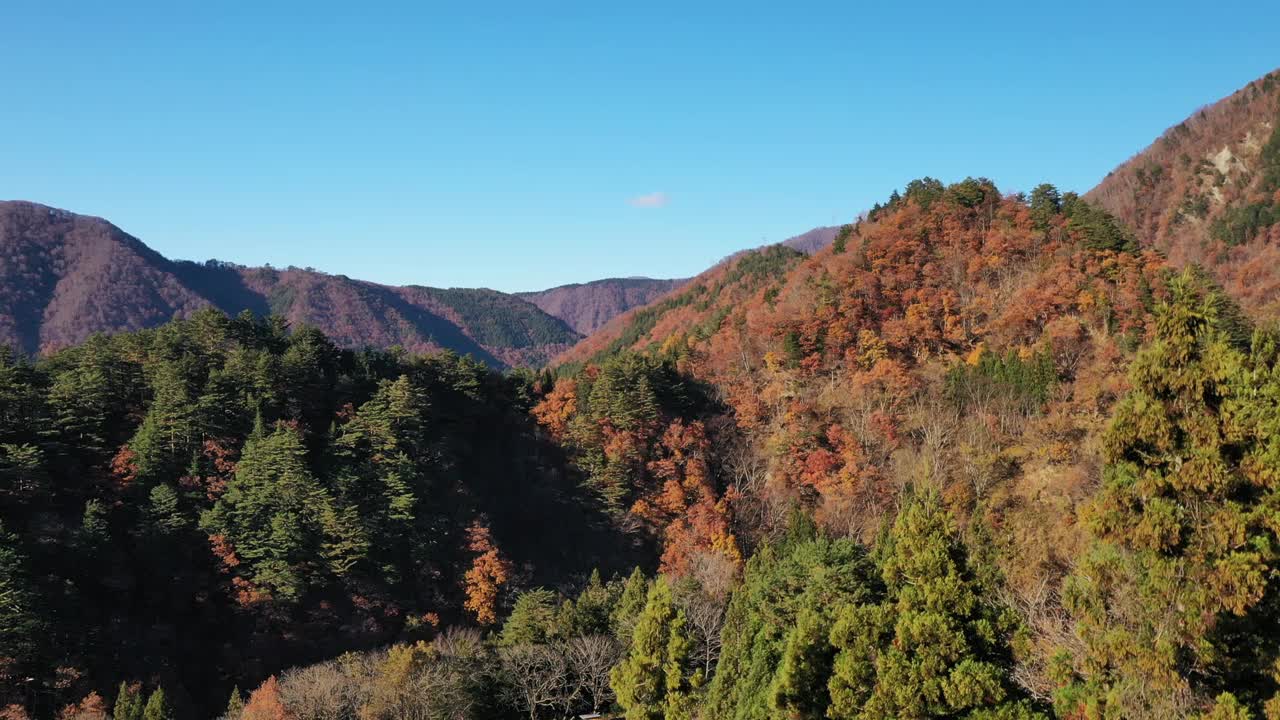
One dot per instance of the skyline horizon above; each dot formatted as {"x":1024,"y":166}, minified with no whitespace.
{"x":450,"y":148}
{"x":656,"y":199}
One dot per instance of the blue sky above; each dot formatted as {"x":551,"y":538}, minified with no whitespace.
{"x":523,"y":145}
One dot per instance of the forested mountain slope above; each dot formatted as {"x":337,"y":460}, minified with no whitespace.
{"x":1208,"y":192}
{"x":812,"y":241}
{"x":210,"y":501}
{"x":588,"y":306}
{"x":985,"y":456}
{"x":501,"y":330}
{"x":822,"y":360}
{"x":722,"y":285}
{"x":64,"y":277}
{"x":982,"y":350}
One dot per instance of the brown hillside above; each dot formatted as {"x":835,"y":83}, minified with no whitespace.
{"x":64,"y":277}
{"x":1208,"y":192}
{"x":588,"y":306}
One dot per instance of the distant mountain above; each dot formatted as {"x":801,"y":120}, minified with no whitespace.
{"x":698,"y":308}
{"x":814,"y":240}
{"x":1208,"y":192}
{"x":588,"y":306}
{"x":65,"y":276}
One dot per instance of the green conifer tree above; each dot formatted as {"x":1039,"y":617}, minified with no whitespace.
{"x":158,"y":707}
{"x":937,"y":648}
{"x":776,"y":656}
{"x":94,"y":526}
{"x":1046,"y":203}
{"x":653,"y":682}
{"x":165,"y":439}
{"x":129,"y":703}
{"x":388,"y":453}
{"x":20,"y":622}
{"x":164,"y":512}
{"x":533,"y":619}
{"x":80,"y":401}
{"x":280,"y":519}
{"x":1171,"y":599}
{"x":799,"y":690}
{"x":235,"y":705}
{"x":593,"y":607}
{"x":630,"y":604}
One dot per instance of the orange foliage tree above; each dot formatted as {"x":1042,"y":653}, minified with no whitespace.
{"x":265,"y":703}
{"x":489,"y":571}
{"x":92,"y":707}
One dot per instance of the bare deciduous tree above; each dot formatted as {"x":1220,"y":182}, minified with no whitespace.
{"x":704,"y":614}
{"x":442,"y":685}
{"x":437,"y":691}
{"x":320,"y":692}
{"x":590,"y":660}
{"x":535,"y":677}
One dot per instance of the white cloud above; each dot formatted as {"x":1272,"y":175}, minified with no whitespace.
{"x":651,"y":200}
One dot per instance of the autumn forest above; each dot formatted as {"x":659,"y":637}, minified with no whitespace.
{"x":986,"y":454}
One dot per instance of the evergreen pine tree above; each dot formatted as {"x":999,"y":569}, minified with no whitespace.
{"x":387,"y":453}
{"x":280,"y":519}
{"x":1046,"y":203}
{"x":157,"y":707}
{"x":1171,"y":598}
{"x":20,"y":623}
{"x":164,"y":441}
{"x":80,"y":401}
{"x":630,"y":604}
{"x":533,"y":619}
{"x":94,"y":525}
{"x":799,"y":690}
{"x":164,"y":512}
{"x":235,"y":705}
{"x":23,"y":412}
{"x":937,"y":648}
{"x":22,"y":472}
{"x":653,"y":681}
{"x":129,"y":703}
{"x":776,"y":656}
{"x":593,"y":607}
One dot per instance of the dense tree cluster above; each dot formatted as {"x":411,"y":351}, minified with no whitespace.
{"x":983,"y":458}
{"x":637,"y":431}
{"x":197,"y":505}
{"x":974,"y":346}
{"x":1175,"y":598}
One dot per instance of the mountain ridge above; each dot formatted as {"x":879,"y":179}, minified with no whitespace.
{"x":588,"y":306}
{"x":65,"y":276}
{"x":1207,"y":191}
{"x":994,"y":442}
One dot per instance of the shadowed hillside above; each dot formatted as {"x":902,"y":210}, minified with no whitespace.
{"x":64,"y":277}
